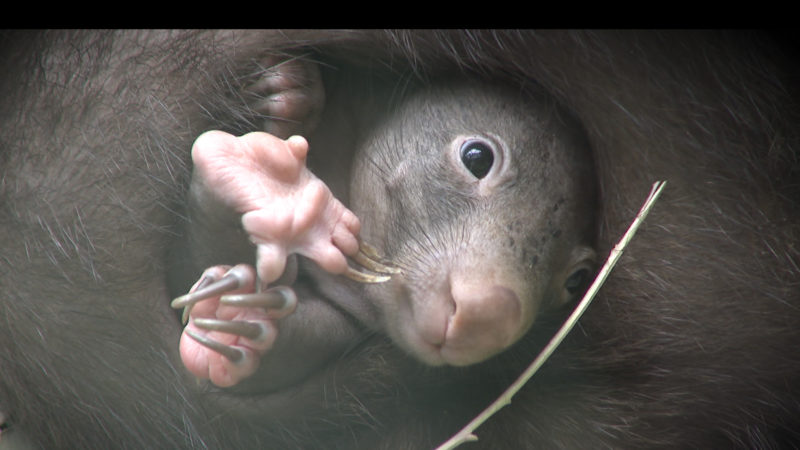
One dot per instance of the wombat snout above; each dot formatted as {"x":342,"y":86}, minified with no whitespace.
{"x":458,"y":317}
{"x":486,"y":320}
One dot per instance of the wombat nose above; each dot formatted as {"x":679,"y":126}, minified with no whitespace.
{"x":486,"y":320}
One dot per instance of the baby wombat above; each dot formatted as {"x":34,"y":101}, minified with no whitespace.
{"x":480,"y":198}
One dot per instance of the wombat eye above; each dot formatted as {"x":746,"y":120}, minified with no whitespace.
{"x":577,"y":281}
{"x":477,"y":157}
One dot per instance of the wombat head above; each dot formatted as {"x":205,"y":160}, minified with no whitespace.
{"x":485,"y":198}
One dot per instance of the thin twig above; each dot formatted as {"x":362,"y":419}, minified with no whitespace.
{"x":467,"y":433}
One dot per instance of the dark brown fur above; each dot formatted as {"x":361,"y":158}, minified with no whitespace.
{"x":692,"y":342}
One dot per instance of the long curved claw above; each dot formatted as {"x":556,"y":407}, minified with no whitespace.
{"x":279,"y":301}
{"x":365,"y":277}
{"x":207,"y":288}
{"x":189,"y":302}
{"x":234,"y":354}
{"x":232,"y":280}
{"x":368,"y":257}
{"x":250,"y":330}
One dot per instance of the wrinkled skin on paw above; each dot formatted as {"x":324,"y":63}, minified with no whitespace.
{"x":284,"y":210}
{"x":262,"y":182}
{"x":216,"y":367}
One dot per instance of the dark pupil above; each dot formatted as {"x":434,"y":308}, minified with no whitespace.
{"x":477,"y":158}
{"x":577,"y":281}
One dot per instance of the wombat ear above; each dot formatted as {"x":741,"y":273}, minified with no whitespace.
{"x":578,"y":275}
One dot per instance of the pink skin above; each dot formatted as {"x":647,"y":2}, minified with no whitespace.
{"x":285,"y":209}
{"x":208,"y":364}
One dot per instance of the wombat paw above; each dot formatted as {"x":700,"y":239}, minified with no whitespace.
{"x":290,"y":94}
{"x":229,"y":325}
{"x":285,"y":208}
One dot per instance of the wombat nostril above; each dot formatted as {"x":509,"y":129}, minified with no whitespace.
{"x":434,"y":322}
{"x":486,"y":320}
